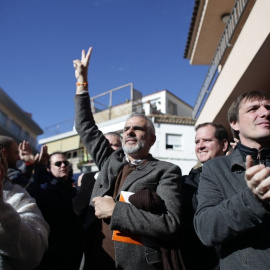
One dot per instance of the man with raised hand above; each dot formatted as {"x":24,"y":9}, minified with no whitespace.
{"x":130,"y":168}
{"x":14,"y":152}
{"x":233,"y":197}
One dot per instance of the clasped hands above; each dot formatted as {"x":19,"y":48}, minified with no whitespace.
{"x":258,"y":180}
{"x":104,"y":206}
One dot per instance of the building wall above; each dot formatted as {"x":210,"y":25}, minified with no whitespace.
{"x":181,"y":154}
{"x":15,"y":123}
{"x":184,"y":156}
{"x":242,"y":60}
{"x":162,"y":99}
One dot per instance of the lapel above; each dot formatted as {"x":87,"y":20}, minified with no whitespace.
{"x":108,"y":174}
{"x":237,"y":162}
{"x":141,"y":171}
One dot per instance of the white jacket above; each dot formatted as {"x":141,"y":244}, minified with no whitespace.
{"x":23,"y":231}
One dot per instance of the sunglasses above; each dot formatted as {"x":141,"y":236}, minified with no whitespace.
{"x":59,"y":163}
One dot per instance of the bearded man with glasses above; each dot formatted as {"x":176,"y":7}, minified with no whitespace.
{"x":54,"y":191}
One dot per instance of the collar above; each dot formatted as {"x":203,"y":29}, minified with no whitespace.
{"x":238,"y":157}
{"x":198,"y":165}
{"x":136,"y":162}
{"x":259,"y":156}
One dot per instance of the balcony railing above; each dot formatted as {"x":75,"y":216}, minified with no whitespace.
{"x":223,"y":45}
{"x":105,"y":106}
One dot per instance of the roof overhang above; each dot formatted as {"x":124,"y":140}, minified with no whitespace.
{"x":206,"y":29}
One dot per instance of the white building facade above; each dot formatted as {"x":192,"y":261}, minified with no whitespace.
{"x":175,"y":134}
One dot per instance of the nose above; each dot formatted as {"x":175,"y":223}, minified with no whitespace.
{"x":200,"y":144}
{"x":130,"y":131}
{"x":264,"y":111}
{"x":63,"y":165}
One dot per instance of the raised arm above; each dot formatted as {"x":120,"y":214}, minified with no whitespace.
{"x":41,"y":175}
{"x":81,"y":70}
{"x":25,"y":152}
{"x":92,"y":138}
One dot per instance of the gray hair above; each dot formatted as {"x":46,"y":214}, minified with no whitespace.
{"x":149,"y":123}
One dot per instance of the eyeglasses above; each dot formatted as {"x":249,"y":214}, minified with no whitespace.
{"x":59,"y":163}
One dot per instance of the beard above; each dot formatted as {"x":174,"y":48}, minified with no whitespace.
{"x":133,"y":149}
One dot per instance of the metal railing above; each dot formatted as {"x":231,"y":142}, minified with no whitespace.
{"x":224,"y":43}
{"x":132,"y":94}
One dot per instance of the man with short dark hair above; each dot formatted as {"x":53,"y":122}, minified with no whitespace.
{"x":233,"y":196}
{"x":130,"y":169}
{"x":54,"y":192}
{"x":14,"y":152}
{"x":211,"y":141}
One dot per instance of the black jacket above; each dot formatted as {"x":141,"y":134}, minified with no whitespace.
{"x":54,"y":199}
{"x":196,"y":254}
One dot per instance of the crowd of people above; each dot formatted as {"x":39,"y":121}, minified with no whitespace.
{"x":138,"y":212}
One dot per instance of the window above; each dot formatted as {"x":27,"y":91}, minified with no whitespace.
{"x":32,"y":141}
{"x":81,"y":153}
{"x":174,"y":141}
{"x":15,"y":128}
{"x":3,"y":118}
{"x":25,"y":135}
{"x":75,"y":154}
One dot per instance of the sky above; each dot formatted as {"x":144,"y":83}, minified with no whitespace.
{"x":134,"y":41}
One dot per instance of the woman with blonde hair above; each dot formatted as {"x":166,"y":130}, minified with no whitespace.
{"x":23,"y":231}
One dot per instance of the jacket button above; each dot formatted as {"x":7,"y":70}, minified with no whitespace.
{"x":100,"y":185}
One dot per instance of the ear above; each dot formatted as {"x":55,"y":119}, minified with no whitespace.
{"x":225,"y":146}
{"x":234,"y":126}
{"x":48,"y":170}
{"x":153,"y":139}
{"x":5,"y":152}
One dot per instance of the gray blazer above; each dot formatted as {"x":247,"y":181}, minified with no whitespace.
{"x":162,"y":177}
{"x":229,"y":215}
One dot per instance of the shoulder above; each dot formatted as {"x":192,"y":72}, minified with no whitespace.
{"x":10,"y":188}
{"x":15,"y":194}
{"x":13,"y":173}
{"x":217,"y":162}
{"x":193,"y":177}
{"x":165,"y":166}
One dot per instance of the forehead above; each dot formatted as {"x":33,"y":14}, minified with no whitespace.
{"x":57,"y":157}
{"x":206,"y":131}
{"x":255,"y":101}
{"x":136,"y":121}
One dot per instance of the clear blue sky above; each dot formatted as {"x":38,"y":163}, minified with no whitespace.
{"x":138,"y":41}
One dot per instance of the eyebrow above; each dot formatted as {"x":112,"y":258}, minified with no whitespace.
{"x":134,"y":127}
{"x":258,"y":104}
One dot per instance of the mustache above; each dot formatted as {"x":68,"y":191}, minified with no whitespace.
{"x":131,"y":137}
